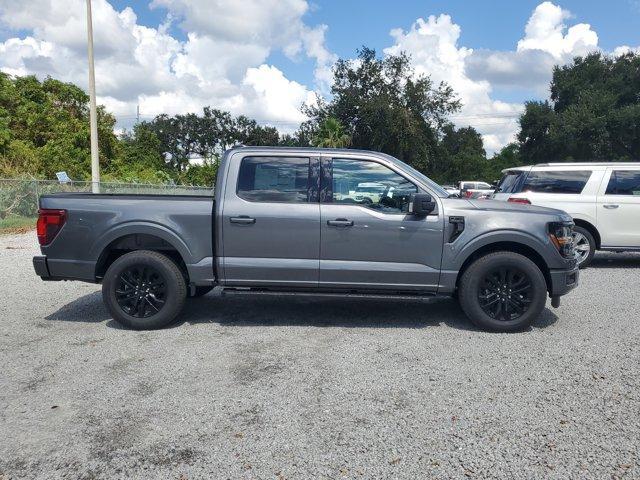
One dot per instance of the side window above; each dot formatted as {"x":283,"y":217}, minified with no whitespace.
{"x":371,"y":185}
{"x":624,"y":182}
{"x":556,"y":181}
{"x":274,"y":179}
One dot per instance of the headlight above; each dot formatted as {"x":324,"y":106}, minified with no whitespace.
{"x":561,"y":235}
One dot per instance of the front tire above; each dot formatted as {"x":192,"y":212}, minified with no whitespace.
{"x":502,"y":292}
{"x":144,"y":290}
{"x":584,"y":245}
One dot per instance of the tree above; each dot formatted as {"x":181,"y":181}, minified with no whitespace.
{"x":594,"y":113}
{"x":331,"y":134}
{"x":384,"y":106}
{"x":44,"y":128}
{"x":462,"y":155}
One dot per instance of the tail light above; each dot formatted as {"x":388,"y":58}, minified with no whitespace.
{"x":561,"y":235}
{"x":49,"y":224}
{"x":523,"y":201}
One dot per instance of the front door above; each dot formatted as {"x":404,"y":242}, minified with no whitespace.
{"x":368,"y":241}
{"x":271,"y":222}
{"x":618,"y":211}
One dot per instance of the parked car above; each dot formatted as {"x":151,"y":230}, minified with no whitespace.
{"x":452,"y":190}
{"x":368,"y":192}
{"x":475,"y":189}
{"x":277,"y":225}
{"x":602,"y":198}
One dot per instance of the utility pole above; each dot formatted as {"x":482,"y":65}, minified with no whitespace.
{"x":93,"y":116}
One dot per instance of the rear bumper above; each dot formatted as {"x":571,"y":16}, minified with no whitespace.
{"x":62,"y":269}
{"x":563,"y":281}
{"x":41,"y":267}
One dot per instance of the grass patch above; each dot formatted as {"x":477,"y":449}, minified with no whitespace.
{"x":16,"y":224}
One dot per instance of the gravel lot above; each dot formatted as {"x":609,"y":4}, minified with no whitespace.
{"x":306,"y":388}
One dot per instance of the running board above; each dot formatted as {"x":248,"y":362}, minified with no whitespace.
{"x":307,"y":293}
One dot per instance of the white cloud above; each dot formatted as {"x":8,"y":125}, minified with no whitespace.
{"x":433,"y":46}
{"x":624,"y":49}
{"x":545,"y":31}
{"x":547,"y":42}
{"x":474,"y":74}
{"x":221,"y":63}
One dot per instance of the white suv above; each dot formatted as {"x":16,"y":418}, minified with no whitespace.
{"x":602,"y":198}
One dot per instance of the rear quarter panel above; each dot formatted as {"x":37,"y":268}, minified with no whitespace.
{"x":95,"y":221}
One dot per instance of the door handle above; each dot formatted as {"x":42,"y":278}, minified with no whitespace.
{"x":242,"y":220}
{"x":610,"y":206}
{"x":340,"y":222}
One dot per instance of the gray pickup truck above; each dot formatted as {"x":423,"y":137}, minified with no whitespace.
{"x":312,"y":222}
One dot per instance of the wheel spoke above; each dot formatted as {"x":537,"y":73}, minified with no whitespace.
{"x":521,"y":289}
{"x":140,"y":291}
{"x":504,"y":293}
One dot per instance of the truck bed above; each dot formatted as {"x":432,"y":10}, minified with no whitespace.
{"x":95,"y":222}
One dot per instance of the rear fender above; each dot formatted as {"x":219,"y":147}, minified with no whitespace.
{"x":146,"y":228}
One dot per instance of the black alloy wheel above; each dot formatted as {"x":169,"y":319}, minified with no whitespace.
{"x":141,"y":291}
{"x":502,"y":291}
{"x":505,"y":293}
{"x":144,"y":289}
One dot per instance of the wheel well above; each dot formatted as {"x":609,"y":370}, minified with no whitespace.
{"x":129,"y":243}
{"x":593,"y":230}
{"x":520,"y":248}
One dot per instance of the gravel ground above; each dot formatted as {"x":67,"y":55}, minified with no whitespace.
{"x":306,"y":388}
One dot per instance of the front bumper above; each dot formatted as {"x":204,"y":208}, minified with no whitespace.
{"x":563,"y":281}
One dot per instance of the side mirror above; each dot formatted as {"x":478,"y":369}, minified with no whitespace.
{"x":421,"y":204}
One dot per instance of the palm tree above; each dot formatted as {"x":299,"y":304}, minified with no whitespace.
{"x":331,"y":134}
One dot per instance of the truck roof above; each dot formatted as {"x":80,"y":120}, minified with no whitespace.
{"x":308,"y":150}
{"x":597,"y":165}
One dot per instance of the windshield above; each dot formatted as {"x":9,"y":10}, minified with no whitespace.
{"x":441,"y":192}
{"x":509,"y":181}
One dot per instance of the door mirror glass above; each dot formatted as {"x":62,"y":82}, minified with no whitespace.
{"x":421,"y":204}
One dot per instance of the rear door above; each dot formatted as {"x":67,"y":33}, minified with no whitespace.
{"x":572,"y":190}
{"x":619,"y":208}
{"x":271,"y":221}
{"x":369,"y":242}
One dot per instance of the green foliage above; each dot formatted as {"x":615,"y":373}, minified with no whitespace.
{"x":376,"y":104}
{"x":462,"y":155}
{"x":204,"y":174}
{"x":594,"y":113}
{"x":384,"y":106}
{"x":44,"y":128}
{"x":184,"y":137}
{"x":17,"y":224}
{"x":331,"y":134}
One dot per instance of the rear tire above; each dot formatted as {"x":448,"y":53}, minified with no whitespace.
{"x":502,"y":292}
{"x":144,"y":290}
{"x":585,"y":245}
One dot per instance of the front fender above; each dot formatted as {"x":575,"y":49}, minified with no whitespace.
{"x":455,"y":254}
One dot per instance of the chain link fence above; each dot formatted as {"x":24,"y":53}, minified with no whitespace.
{"x":19,"y":197}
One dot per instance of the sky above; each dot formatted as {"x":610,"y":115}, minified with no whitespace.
{"x":265,"y":58}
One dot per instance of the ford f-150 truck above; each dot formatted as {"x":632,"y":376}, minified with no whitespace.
{"x":282,"y":220}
